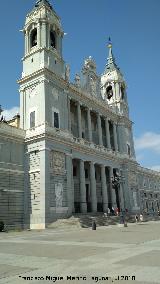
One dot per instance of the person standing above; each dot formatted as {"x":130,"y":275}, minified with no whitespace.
{"x":136,"y":218}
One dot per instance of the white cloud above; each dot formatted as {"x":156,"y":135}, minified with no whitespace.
{"x":148,"y":140}
{"x":9,"y":113}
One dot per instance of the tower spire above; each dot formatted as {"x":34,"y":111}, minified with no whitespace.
{"x":111,"y":64}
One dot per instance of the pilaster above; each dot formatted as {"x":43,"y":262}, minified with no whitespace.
{"x":39,"y":35}
{"x":44,"y":34}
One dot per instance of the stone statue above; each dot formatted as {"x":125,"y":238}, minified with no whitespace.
{"x":77,"y":80}
{"x":59,"y":194}
{"x":93,"y":86}
{"x":67,"y":73}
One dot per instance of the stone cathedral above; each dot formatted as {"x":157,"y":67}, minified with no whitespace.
{"x":71,"y":149}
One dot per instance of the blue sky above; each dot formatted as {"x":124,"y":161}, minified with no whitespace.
{"x":133,"y":26}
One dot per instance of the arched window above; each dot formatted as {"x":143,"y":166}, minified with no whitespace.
{"x":34,"y":38}
{"x":109,"y":92}
{"x":53,"y":39}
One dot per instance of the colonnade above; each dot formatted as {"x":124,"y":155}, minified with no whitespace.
{"x":108,"y":192}
{"x":99,"y":126}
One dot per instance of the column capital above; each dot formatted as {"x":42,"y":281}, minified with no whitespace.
{"x":102,"y":166}
{"x":91,"y":162}
{"x":78,"y":103}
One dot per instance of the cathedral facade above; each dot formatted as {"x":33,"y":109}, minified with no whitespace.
{"x":71,"y":150}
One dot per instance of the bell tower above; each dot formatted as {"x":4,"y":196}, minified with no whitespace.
{"x":43,"y":40}
{"x":113,"y":91}
{"x":42,"y":62}
{"x":113,"y":86}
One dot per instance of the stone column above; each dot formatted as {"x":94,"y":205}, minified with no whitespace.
{"x":69,"y":113}
{"x":83,"y":203}
{"x":112,"y":190}
{"x":115,"y":137}
{"x":79,"y":120}
{"x":48,"y":40}
{"x":99,"y":129}
{"x":108,"y":142}
{"x":121,"y":196}
{"x":89,"y":125}
{"x":70,"y":188}
{"x":93,"y":188}
{"x":44,"y":34}
{"x":39,"y":35}
{"x":27,"y":41}
{"x":104,"y":189}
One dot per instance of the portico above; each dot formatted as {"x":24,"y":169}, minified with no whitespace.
{"x":93,"y":190}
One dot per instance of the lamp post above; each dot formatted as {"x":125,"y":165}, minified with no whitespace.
{"x":117,"y":180}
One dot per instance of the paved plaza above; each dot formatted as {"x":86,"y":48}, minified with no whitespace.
{"x":124,"y":255}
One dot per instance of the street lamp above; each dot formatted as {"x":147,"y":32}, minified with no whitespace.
{"x":117,"y":180}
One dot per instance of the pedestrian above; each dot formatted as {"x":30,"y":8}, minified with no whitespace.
{"x":141,"y":217}
{"x":109,"y":211}
{"x":117,"y":211}
{"x":136,"y":218}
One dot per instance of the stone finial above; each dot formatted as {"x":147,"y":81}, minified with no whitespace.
{"x":89,"y":64}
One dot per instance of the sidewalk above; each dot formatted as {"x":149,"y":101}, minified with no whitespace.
{"x":112,"y":251}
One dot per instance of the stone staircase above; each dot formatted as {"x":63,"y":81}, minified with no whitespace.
{"x":85,"y":220}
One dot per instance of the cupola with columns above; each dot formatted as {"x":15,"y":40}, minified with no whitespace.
{"x":43,"y":40}
{"x":113,"y":86}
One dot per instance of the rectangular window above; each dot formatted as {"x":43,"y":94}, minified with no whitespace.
{"x":56,"y":119}
{"x":32,"y":119}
